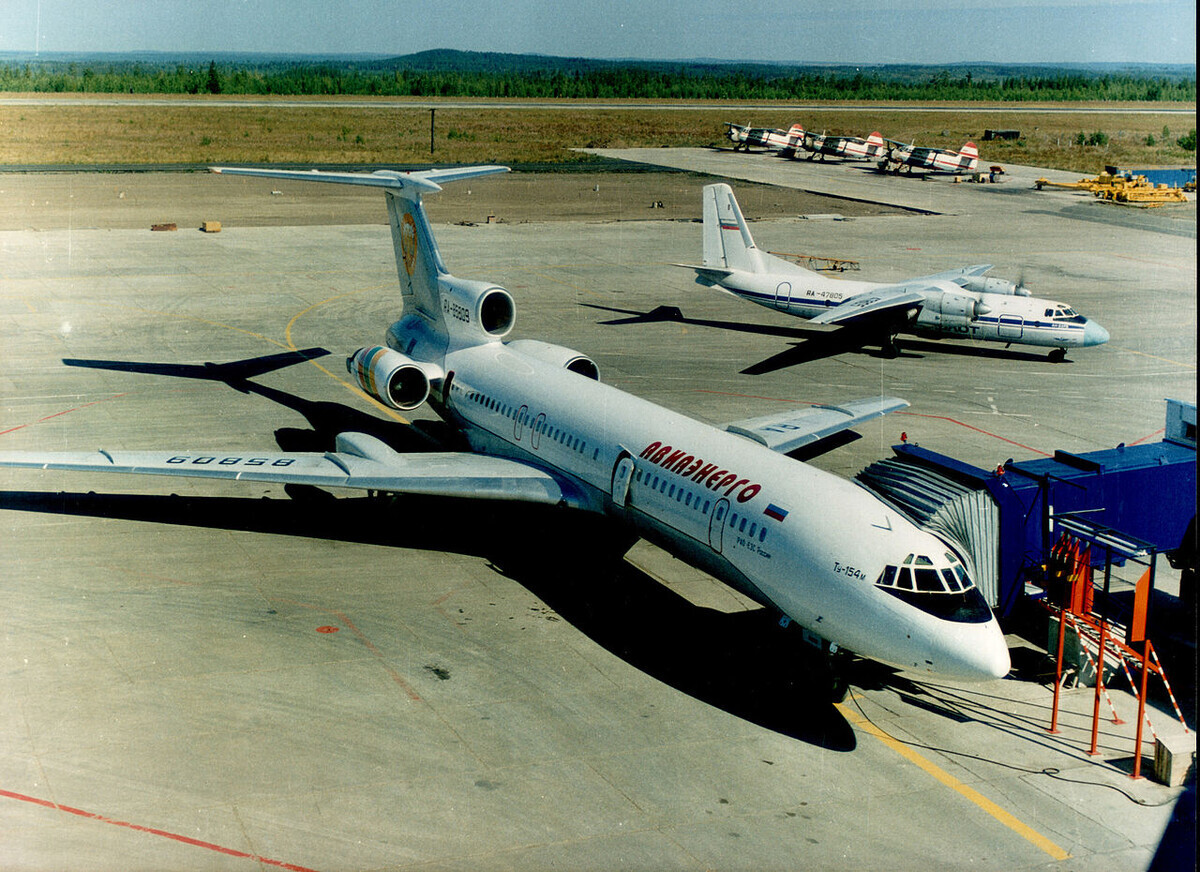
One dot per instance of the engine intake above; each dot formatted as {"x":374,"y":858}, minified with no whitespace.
{"x":476,"y":307}
{"x":393,"y":378}
{"x":557,"y":355}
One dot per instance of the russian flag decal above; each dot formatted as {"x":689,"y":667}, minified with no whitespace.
{"x":773,"y":511}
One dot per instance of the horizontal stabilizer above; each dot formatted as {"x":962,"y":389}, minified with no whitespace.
{"x":361,"y":462}
{"x":714,"y":274}
{"x":787,"y":431}
{"x":871,"y":305}
{"x":423,"y":181}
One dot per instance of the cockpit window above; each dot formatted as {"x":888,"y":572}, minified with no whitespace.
{"x":1065,"y":313}
{"x":940,"y":586}
{"x":928,"y":581}
{"x":924,"y":574}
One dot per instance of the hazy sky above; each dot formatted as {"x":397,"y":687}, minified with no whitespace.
{"x":875,"y":31}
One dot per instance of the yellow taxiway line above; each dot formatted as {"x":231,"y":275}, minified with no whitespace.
{"x":1023,"y":830}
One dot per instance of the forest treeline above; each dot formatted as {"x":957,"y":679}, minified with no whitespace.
{"x":297,"y":79}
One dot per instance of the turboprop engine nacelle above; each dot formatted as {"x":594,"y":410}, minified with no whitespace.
{"x":557,"y":355}
{"x":393,"y":378}
{"x":960,"y":310}
{"x":984,"y":285}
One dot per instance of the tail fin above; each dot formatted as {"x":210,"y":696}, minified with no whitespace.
{"x":875,"y":139}
{"x":970,"y":150}
{"x":727,"y":241}
{"x":418,"y":262}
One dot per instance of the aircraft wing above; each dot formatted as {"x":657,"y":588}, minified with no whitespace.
{"x":950,"y":274}
{"x":872,"y":304}
{"x":359,"y":461}
{"x":787,"y":431}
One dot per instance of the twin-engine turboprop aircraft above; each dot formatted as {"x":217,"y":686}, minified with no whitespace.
{"x":959,"y":303}
{"x":542,"y":428}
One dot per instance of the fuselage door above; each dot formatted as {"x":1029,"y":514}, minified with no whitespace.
{"x":621,"y":478}
{"x":535,"y":432}
{"x":783,"y":296}
{"x":519,"y":422}
{"x":1010,"y":326}
{"x":716,"y":524}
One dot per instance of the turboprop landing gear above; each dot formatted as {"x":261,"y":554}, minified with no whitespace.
{"x":888,"y":347}
{"x":1057,"y":355}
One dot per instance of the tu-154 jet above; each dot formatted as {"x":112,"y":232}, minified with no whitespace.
{"x":542,"y":428}
{"x":961,"y":303}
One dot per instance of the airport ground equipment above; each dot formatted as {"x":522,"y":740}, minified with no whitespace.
{"x":1006,"y":520}
{"x":1122,"y":188}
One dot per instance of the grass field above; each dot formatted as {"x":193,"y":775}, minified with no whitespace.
{"x":196,"y":131}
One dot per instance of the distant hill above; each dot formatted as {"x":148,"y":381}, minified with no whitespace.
{"x":453,"y":60}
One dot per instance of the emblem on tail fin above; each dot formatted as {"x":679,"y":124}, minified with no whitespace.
{"x":408,"y":242}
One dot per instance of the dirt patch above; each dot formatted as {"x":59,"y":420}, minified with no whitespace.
{"x":56,"y":201}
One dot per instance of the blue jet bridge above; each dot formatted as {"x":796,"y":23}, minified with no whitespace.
{"x":1004,"y":520}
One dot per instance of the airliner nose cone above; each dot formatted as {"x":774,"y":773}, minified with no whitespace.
{"x":1094,"y":334}
{"x":989,"y":660}
{"x":981,"y":655}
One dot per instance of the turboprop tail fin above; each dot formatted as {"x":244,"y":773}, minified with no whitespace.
{"x":727,"y":240}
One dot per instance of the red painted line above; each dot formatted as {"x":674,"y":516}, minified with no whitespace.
{"x":1149,"y":436}
{"x":60,"y":414}
{"x":186,"y":840}
{"x":978,"y":430}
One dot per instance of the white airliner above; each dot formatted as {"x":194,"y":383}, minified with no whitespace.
{"x":543,"y":428}
{"x":959,"y":303}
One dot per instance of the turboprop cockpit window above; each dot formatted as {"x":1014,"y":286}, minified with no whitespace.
{"x":1066,"y":313}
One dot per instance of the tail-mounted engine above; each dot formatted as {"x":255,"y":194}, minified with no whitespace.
{"x":557,"y":355}
{"x":984,"y":285}
{"x":478,"y":310}
{"x":393,"y":378}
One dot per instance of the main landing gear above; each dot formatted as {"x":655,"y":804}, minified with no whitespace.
{"x":1057,"y":355}
{"x":824,"y":663}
